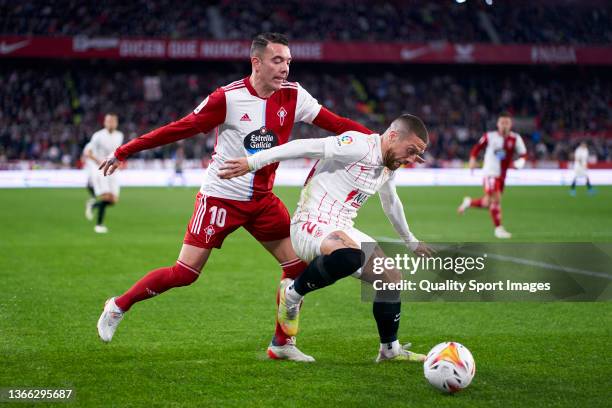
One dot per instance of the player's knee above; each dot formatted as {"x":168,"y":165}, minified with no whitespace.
{"x":344,"y":262}
{"x":183,"y":274}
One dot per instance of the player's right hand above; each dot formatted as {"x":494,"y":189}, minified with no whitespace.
{"x":424,"y":250}
{"x":472,"y":164}
{"x":234,"y":168}
{"x":109,"y":165}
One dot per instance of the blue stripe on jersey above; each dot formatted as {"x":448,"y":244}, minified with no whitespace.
{"x":263,"y":121}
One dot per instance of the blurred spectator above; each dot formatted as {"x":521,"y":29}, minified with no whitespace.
{"x":516,"y":21}
{"x":48,"y":113}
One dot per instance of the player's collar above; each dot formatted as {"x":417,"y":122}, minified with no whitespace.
{"x":252,"y":90}
{"x":380,"y":152}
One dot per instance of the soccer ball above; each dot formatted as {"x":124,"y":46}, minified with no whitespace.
{"x":449,"y":367}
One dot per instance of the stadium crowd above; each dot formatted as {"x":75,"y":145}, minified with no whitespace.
{"x":552,"y":22}
{"x":48,"y":114}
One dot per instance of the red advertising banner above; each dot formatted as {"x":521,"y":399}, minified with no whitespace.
{"x":596,"y":134}
{"x":325,"y":51}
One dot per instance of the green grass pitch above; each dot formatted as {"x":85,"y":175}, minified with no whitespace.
{"x":205,"y":345}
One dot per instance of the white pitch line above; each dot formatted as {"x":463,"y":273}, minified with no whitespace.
{"x":528,"y":262}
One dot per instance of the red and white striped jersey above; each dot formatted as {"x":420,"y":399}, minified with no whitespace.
{"x":499,"y":152}
{"x":250,"y":124}
{"x":340,"y":184}
{"x":244,"y":123}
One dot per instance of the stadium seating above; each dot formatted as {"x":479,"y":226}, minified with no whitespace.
{"x":50,"y":113}
{"x":416,"y":20}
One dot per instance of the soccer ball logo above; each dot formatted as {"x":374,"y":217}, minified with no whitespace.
{"x":346,"y":139}
{"x":449,"y":367}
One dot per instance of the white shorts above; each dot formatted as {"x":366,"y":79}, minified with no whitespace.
{"x":307,"y":236}
{"x":105,"y":184}
{"x":580,"y":172}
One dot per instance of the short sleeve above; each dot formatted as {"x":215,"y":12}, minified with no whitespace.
{"x":307,"y":107}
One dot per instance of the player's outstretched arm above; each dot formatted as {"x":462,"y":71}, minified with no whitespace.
{"x":337,"y":124}
{"x":172,"y":132}
{"x":109,"y":165}
{"x":208,"y":115}
{"x":310,"y":111}
{"x":394,"y":210}
{"x":301,"y":148}
{"x":344,"y":148}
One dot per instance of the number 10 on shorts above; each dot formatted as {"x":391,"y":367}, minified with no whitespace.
{"x":217,"y":216}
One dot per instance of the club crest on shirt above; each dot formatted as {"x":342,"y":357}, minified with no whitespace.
{"x":282,"y":113}
{"x":260,"y":139}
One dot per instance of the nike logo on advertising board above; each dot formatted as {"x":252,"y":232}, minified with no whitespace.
{"x":8,"y":48}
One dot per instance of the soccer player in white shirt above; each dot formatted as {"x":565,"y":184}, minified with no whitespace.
{"x":102,"y":144}
{"x":500,"y":147}
{"x":581,"y":164}
{"x":251,"y":114}
{"x":351,"y":168}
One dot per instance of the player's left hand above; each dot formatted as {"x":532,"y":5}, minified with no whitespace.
{"x":234,"y":168}
{"x":424,"y":250}
{"x":109,"y":165}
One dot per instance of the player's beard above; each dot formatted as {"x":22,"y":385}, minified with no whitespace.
{"x":390,"y":162}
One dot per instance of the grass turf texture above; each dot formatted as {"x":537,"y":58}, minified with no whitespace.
{"x":205,"y":345}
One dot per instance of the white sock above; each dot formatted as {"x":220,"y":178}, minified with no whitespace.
{"x":292,"y":296}
{"x":390,"y":349}
{"x":116,"y":308}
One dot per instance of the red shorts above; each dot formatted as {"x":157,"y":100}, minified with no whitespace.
{"x":493,"y":184}
{"x":213,"y":219}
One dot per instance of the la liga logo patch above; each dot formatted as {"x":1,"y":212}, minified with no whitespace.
{"x":346,"y":139}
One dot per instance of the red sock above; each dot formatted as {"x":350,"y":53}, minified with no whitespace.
{"x":291,"y":269}
{"x":156,"y":282}
{"x":495,"y":210}
{"x":477,"y":203}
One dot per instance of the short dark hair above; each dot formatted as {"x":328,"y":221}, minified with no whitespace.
{"x":414,"y":124}
{"x":261,"y":41}
{"x":111,"y":114}
{"x":505,"y":114}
